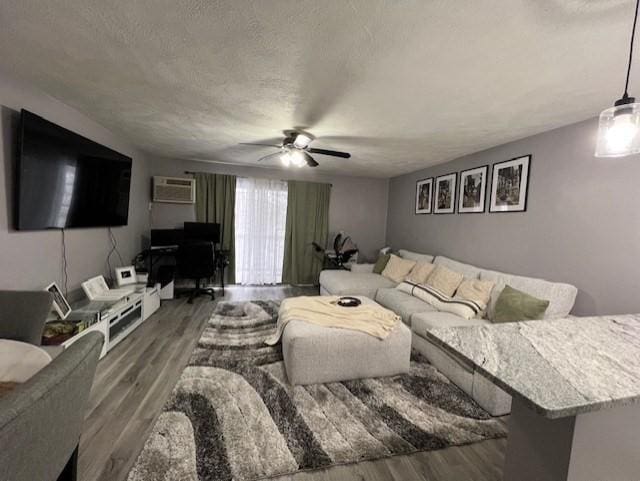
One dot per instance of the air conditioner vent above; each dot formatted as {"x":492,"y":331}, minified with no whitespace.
{"x":174,"y":190}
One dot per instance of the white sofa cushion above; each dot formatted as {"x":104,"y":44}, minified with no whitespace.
{"x":561,"y":296}
{"x":422,"y":321}
{"x":401,"y":303}
{"x":345,"y":283}
{"x":362,"y":268}
{"x":467,"y":270}
{"x":415,"y":256}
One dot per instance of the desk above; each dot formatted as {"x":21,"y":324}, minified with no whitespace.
{"x":575,"y":385}
{"x":221,"y":259}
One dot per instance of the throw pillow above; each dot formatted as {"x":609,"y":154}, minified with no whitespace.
{"x":475,"y":290}
{"x":432,"y":296}
{"x":515,"y":305}
{"x":445,"y":280}
{"x":381,"y":263}
{"x":420,"y":272}
{"x":397,"y":268}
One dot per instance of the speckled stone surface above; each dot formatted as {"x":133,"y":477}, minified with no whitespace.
{"x":559,"y":368}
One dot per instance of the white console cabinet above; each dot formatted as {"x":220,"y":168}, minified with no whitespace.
{"x":117,"y":321}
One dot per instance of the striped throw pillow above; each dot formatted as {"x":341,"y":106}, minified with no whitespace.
{"x":432,"y":296}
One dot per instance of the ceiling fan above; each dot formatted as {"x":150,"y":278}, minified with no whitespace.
{"x":295,"y":150}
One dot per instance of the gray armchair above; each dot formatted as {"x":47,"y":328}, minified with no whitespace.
{"x":41,"y":420}
{"x":23,"y":314}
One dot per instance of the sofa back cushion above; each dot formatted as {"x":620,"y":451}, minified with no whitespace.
{"x":381,"y":263}
{"x":445,"y":280}
{"x":514,"y":305}
{"x":476,"y":290}
{"x":467,"y":270}
{"x":415,"y":256}
{"x":561,"y":296}
{"x":420,"y":272}
{"x":397,"y":268}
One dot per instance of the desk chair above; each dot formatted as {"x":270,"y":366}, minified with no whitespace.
{"x":195,"y":260}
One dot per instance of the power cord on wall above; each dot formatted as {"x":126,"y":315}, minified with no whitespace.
{"x":65,"y":274}
{"x":114,"y":248}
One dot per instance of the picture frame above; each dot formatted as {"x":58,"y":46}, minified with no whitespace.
{"x":510,"y":185}
{"x":60,"y":304}
{"x":473,"y":190}
{"x":125,"y":276}
{"x":445,"y":194}
{"x":424,"y":196}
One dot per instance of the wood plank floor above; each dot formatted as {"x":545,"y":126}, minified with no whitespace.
{"x":134,"y":380}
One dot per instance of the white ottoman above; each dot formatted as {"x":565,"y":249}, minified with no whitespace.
{"x":314,"y":354}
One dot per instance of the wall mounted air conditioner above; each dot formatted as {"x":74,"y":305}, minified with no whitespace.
{"x":174,"y":190}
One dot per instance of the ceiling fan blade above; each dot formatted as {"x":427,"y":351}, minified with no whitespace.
{"x":270,"y":157}
{"x":334,"y":153}
{"x":311,"y":162}
{"x":262,"y":145}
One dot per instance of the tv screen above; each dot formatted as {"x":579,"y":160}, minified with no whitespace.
{"x":65,"y":180}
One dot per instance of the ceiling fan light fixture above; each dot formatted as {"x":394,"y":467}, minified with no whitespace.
{"x":285,"y":158}
{"x":297,"y":158}
{"x":302,"y":141}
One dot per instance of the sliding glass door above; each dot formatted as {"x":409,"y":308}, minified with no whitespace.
{"x":260,"y":220}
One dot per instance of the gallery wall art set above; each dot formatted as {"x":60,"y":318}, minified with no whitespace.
{"x":468,"y":189}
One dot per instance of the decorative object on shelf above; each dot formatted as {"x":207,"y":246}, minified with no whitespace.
{"x":96,"y":289}
{"x":473,"y":188}
{"x":424,"y":196}
{"x":60,"y":304}
{"x":509,"y":185}
{"x":126,"y":276}
{"x":446,"y":194}
{"x":619,"y":126}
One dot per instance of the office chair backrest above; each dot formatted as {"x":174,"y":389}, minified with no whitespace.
{"x":196,"y":260}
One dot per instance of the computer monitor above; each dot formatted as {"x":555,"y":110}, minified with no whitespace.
{"x":205,"y":231}
{"x":166,"y":237}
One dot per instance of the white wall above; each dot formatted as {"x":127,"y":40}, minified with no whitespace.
{"x":358,"y":204}
{"x":31,"y":260}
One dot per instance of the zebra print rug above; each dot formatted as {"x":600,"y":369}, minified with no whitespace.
{"x":233,"y":415}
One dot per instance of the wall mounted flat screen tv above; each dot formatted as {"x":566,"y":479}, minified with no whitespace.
{"x":65,"y":180}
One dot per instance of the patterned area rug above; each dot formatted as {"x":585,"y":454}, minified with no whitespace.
{"x":233,"y":415}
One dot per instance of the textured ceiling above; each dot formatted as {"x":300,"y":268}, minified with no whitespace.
{"x":400,"y":84}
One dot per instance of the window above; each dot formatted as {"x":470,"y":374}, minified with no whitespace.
{"x":260,"y":220}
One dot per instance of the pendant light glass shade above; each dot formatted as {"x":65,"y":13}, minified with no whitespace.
{"x":619,"y":131}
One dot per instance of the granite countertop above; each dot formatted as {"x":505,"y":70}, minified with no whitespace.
{"x":559,"y":367}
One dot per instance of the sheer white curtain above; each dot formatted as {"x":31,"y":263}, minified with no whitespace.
{"x":261,"y":213}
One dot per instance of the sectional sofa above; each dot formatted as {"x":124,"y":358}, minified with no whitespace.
{"x":420,"y":316}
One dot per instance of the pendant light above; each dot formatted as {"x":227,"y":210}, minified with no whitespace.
{"x":619,"y":126}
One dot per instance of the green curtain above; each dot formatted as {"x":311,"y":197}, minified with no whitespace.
{"x":307,"y":221}
{"x":216,"y":202}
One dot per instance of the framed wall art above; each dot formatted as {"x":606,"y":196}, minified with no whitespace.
{"x":445,"y":194}
{"x":424,"y":196}
{"x":472,"y":191}
{"x":509,"y":185}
